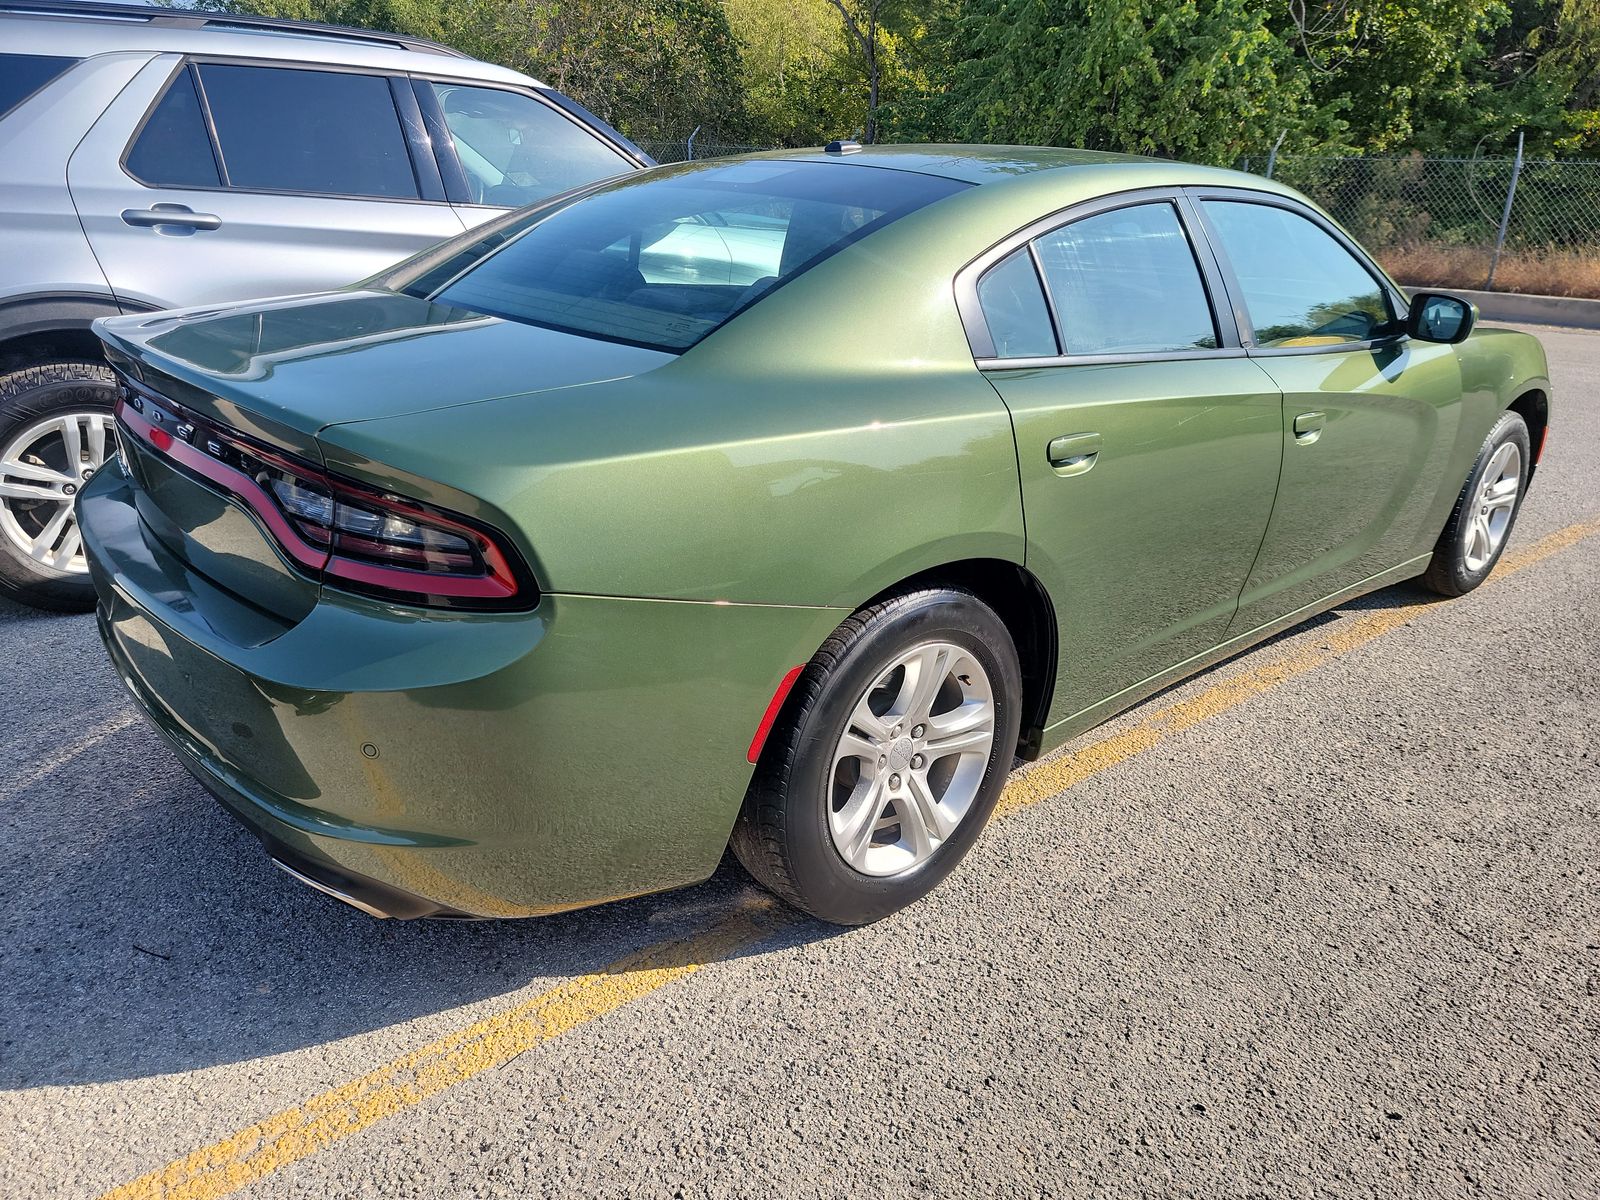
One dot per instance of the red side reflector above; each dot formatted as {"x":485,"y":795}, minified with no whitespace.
{"x":1538,"y":451}
{"x":771,"y":715}
{"x":160,"y":439}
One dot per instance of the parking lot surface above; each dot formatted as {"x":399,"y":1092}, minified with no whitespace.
{"x":1322,"y":921}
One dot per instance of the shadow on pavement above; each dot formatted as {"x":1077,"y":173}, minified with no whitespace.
{"x":146,"y":932}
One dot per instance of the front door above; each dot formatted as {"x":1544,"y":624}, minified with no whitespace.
{"x":1149,"y":444}
{"x":308,"y":184}
{"x":1368,"y":416}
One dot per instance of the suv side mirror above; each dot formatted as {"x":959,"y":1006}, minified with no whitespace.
{"x":1440,"y":317}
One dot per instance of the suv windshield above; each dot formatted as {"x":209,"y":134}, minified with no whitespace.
{"x":663,"y":261}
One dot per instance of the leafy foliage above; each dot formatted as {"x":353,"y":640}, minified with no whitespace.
{"x":1198,"y":79}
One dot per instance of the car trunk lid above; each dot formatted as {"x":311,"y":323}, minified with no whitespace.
{"x":211,"y":396}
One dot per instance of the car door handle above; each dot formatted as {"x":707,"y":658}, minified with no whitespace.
{"x":178,"y":218}
{"x":1308,"y":427}
{"x":1073,"y":453}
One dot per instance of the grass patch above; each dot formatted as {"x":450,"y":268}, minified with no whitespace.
{"x":1550,"y":271}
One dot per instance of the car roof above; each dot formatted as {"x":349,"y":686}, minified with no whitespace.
{"x":84,"y":29}
{"x":998,"y":164}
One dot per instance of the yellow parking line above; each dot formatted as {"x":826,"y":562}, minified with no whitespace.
{"x":1054,"y":776}
{"x":296,"y":1133}
{"x":226,"y":1166}
{"x":17,"y":784}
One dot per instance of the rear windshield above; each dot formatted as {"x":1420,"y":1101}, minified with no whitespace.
{"x":664,"y":260}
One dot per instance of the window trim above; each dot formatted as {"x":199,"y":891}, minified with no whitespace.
{"x":193,"y":63}
{"x":1211,"y":280}
{"x":444,"y":141}
{"x":1397,"y":299}
{"x":181,"y":68}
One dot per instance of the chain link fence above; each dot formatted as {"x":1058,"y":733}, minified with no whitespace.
{"x":683,"y":151}
{"x":1438,"y":220}
{"x":1430,"y":220}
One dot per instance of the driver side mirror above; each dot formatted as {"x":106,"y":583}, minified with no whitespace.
{"x":1440,"y":317}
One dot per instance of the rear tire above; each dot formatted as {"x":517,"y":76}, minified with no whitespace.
{"x":30,"y":399}
{"x":1486,"y":510}
{"x":930,"y":671}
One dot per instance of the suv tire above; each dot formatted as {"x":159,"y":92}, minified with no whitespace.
{"x":30,"y":400}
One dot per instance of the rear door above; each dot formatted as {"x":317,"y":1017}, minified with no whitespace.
{"x":221,"y":180}
{"x":1369,"y":416}
{"x":1149,"y":443}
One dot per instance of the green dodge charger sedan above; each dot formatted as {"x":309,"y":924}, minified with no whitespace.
{"x":777,"y":501}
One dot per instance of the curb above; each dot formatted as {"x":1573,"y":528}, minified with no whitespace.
{"x":1531,"y":310}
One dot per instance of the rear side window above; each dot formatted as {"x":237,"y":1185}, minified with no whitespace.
{"x":174,"y":149}
{"x":1014,"y":309}
{"x":515,"y":150}
{"x":1126,"y":282}
{"x":1301,"y":287}
{"x":329,"y":132}
{"x":21,"y":75}
{"x":663,"y":259}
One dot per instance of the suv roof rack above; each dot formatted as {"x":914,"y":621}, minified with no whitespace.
{"x":188,"y":18}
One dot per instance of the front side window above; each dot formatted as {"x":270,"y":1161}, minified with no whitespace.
{"x":174,"y":149}
{"x":662,"y":260}
{"x":1126,"y":282}
{"x":328,"y":132}
{"x":515,"y":150}
{"x":1014,"y":308}
{"x":1301,"y":287}
{"x":21,"y":75}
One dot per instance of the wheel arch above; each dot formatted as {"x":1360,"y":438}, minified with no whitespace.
{"x":1533,"y":406}
{"x":1024,"y":606}
{"x":43,"y":326}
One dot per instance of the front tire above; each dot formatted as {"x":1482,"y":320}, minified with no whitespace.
{"x":55,"y":432}
{"x":1485,"y":511}
{"x":890,"y":756}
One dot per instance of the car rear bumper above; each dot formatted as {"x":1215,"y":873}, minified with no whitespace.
{"x":416,"y":764}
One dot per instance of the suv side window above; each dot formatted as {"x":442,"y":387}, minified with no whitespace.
{"x":515,"y":150}
{"x":1300,"y":286}
{"x":21,"y":75}
{"x":1126,"y":282}
{"x":173,"y":148}
{"x":282,"y":129}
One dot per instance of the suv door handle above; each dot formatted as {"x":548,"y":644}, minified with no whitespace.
{"x":1073,"y":453}
{"x":177,"y":219}
{"x":1308,"y":427}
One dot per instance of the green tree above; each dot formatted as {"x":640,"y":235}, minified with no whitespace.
{"x":801,"y":85}
{"x":1198,"y":79}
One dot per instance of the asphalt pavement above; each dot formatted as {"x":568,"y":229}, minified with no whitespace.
{"x":1323,"y":921}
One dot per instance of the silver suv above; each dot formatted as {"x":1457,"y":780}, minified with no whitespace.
{"x":156,"y":157}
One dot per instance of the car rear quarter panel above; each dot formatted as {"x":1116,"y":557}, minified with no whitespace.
{"x":834,"y":439}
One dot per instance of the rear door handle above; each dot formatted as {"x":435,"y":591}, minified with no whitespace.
{"x":1308,"y":427}
{"x":1073,"y":453}
{"x":177,"y":219}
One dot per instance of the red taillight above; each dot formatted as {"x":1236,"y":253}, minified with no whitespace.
{"x":368,"y":540}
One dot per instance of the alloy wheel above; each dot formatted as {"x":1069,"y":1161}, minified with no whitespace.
{"x":1490,"y":516}
{"x":911,"y":760}
{"x":42,"y":469}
